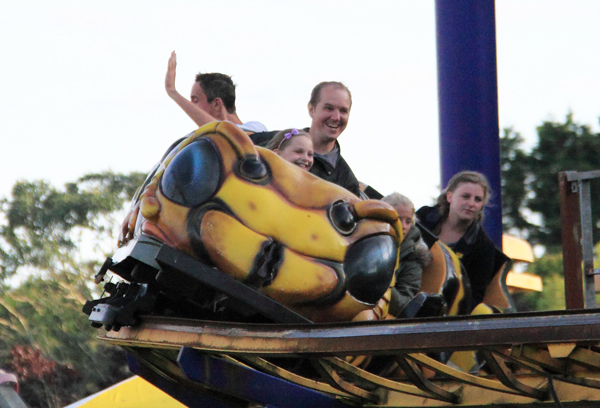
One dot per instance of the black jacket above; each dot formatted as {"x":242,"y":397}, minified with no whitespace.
{"x":476,"y":251}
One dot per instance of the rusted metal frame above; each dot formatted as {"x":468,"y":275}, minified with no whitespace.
{"x":563,"y":377}
{"x":375,"y":380}
{"x":586,"y":358}
{"x":251,"y":385}
{"x":273,"y":369}
{"x":582,"y":175}
{"x":334,"y":379}
{"x":163,"y":373}
{"x":461,"y":376}
{"x":575,"y":357}
{"x":571,"y":237}
{"x":575,"y":252}
{"x":383,"y":337}
{"x":504,"y":375}
{"x":416,"y":376}
{"x":540,"y":358}
{"x":587,"y":243}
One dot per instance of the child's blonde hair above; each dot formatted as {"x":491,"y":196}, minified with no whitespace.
{"x":396,"y":200}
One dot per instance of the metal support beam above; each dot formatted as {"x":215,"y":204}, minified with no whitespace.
{"x":571,"y":238}
{"x":577,"y":236}
{"x":468,"y":97}
{"x":410,"y":336}
{"x":248,"y":384}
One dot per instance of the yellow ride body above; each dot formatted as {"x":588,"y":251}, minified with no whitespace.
{"x":280,"y":207}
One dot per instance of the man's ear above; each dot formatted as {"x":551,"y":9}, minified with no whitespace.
{"x":217,"y":103}
{"x":311,"y":110}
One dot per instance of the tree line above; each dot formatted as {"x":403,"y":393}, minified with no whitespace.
{"x":46,"y":264}
{"x":52,"y":242}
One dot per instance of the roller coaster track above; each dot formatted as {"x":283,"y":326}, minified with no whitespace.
{"x":547,"y":359}
{"x":530,"y":359}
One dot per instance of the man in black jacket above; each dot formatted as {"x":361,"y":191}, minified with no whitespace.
{"x":329,"y":108}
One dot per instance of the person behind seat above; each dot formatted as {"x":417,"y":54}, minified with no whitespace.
{"x":414,"y":255}
{"x":456,"y":220}
{"x":294,"y":146}
{"x":212,"y":98}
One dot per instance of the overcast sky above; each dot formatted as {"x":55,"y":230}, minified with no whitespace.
{"x":82,"y":83}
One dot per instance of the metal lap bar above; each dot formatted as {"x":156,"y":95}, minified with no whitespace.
{"x":502,"y":373}
{"x":416,"y":376}
{"x":248,"y":384}
{"x":211,"y":277}
{"x":461,"y":376}
{"x":375,"y":380}
{"x":334,"y":379}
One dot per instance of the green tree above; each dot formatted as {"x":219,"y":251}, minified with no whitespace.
{"x":530,"y":180}
{"x":51,"y":244}
{"x":550,"y":268}
{"x":561,"y":147}
{"x":515,"y":172}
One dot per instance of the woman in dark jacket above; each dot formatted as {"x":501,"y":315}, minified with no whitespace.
{"x":456,"y":218}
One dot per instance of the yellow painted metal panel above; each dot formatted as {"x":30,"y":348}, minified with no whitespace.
{"x":524,"y":281}
{"x":517,"y":249}
{"x":134,"y":392}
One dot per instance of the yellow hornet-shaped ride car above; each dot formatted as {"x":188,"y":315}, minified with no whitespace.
{"x":306,"y":243}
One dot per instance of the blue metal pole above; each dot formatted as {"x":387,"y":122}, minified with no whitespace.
{"x":468,"y":97}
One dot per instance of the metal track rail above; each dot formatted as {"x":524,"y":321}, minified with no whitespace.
{"x":418,"y":335}
{"x":526,"y":356}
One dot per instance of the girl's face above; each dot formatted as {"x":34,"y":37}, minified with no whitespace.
{"x":298,"y":151}
{"x":466,"y":201}
{"x":406,"y":214}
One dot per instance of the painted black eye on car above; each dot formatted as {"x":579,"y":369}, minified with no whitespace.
{"x":342,"y":218}
{"x":194,"y":175}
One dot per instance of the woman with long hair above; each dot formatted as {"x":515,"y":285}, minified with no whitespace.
{"x":456,"y":220}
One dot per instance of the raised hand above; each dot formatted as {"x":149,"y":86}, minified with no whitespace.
{"x":170,"y":77}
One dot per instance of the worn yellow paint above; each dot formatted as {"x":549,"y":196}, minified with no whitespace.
{"x":305,"y":231}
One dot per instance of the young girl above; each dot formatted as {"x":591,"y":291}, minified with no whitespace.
{"x":294,"y":146}
{"x":456,"y":220}
{"x":414,"y":255}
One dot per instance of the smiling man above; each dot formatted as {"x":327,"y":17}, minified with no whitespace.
{"x":329,"y":108}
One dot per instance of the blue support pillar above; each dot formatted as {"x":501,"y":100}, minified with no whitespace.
{"x":468,"y":97}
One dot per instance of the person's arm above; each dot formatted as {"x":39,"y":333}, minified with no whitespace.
{"x":199,"y":116}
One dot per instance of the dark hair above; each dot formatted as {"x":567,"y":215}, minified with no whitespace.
{"x":315,"y":95}
{"x":277,"y":142}
{"x":461,"y":178}
{"x":217,"y":85}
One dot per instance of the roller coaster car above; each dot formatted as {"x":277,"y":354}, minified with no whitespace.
{"x":240,"y":214}
{"x":223,"y":233}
